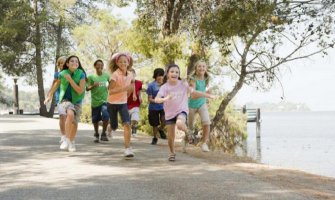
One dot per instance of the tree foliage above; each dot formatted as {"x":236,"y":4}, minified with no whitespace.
{"x":260,"y":37}
{"x":15,"y":34}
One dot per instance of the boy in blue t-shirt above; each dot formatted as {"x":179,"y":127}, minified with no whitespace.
{"x":156,"y":111}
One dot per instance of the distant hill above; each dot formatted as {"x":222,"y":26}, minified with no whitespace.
{"x":281,"y":106}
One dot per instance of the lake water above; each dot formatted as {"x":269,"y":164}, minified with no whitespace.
{"x":297,"y":140}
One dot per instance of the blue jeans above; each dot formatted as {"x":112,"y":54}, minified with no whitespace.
{"x":113,"y":110}
{"x":100,"y":113}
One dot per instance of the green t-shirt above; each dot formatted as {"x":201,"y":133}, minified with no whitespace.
{"x":98,"y":94}
{"x":200,"y":85}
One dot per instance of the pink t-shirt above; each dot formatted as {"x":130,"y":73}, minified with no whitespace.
{"x":179,"y":101}
{"x":120,"y":81}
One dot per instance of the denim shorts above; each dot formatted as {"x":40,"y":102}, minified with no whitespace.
{"x":174,"y":120}
{"x":100,"y":113}
{"x":113,"y":110}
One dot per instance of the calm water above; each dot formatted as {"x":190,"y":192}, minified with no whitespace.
{"x":297,"y":140}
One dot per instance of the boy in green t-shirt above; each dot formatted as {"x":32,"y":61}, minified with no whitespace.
{"x":98,"y":84}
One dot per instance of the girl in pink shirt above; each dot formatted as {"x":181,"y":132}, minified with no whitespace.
{"x":174,"y":96}
{"x":120,"y":85}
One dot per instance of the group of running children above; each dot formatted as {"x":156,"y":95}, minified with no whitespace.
{"x":173,"y":102}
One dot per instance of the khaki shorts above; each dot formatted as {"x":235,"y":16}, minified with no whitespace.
{"x":134,"y":114}
{"x":204,"y":116}
{"x":67,"y":105}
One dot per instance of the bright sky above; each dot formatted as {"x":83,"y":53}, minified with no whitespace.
{"x":310,"y":81}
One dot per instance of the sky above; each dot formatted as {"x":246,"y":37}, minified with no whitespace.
{"x":309,"y":81}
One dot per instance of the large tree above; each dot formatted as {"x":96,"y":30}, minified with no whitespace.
{"x":259,"y":38}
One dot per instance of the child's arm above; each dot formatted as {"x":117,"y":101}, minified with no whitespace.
{"x":90,"y":87}
{"x":78,"y":88}
{"x":113,"y":90}
{"x":51,"y":92}
{"x":197,"y":94}
{"x":162,"y":99}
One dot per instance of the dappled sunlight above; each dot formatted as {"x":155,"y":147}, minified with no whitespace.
{"x":31,"y":161}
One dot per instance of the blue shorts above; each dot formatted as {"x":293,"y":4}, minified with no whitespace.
{"x":174,"y":120}
{"x":100,"y":113}
{"x":113,"y":110}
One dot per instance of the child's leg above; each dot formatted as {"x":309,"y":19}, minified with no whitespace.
{"x":68,"y":123}
{"x":205,"y":120}
{"x":171,"y":128}
{"x":105,"y":117}
{"x":62,"y":119}
{"x":123,"y":108}
{"x":181,"y":122}
{"x":112,"y":112}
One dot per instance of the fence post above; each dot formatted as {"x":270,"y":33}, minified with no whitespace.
{"x":258,"y":123}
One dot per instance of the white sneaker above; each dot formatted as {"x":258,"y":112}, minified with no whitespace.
{"x":128,"y":152}
{"x":64,"y":145}
{"x":204,"y":147}
{"x":72,"y":147}
{"x":62,"y":138}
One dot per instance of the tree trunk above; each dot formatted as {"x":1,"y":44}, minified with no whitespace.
{"x":220,"y":112}
{"x":38,"y":62}
{"x":58,"y":48}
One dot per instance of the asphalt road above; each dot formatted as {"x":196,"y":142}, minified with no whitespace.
{"x":32,"y":167}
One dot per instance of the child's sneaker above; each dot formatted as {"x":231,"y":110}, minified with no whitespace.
{"x":104,"y":137}
{"x":204,"y":147}
{"x":96,"y":135}
{"x":154,"y":141}
{"x":133,"y":131}
{"x":162,"y":134}
{"x":64,"y":145}
{"x":62,"y":138}
{"x":72,"y":147}
{"x":128,"y":153}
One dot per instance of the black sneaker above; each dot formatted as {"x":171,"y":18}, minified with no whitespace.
{"x":133,"y":131}
{"x":96,"y":135}
{"x":154,"y":141}
{"x":162,"y":134}
{"x":104,"y":137}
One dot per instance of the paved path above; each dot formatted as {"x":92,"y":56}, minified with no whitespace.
{"x":32,"y":167}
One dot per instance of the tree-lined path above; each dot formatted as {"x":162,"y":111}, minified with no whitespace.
{"x":33,"y":167}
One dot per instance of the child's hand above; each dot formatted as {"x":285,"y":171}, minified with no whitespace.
{"x":96,"y":84}
{"x":67,"y":77}
{"x":168,"y":97}
{"x":134,"y":98}
{"x":47,"y":100}
{"x":212,"y":96}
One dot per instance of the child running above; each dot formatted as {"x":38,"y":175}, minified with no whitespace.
{"x":121,"y":84}
{"x":199,"y":79}
{"x":71,"y":81}
{"x":174,"y":95}
{"x":156,"y":111}
{"x":98,"y":85}
{"x":59,"y":64}
{"x":134,"y":102}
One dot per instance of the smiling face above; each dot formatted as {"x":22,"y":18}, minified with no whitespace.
{"x":123,"y":63}
{"x":60,"y":63}
{"x":173,"y":74}
{"x":73,"y":64}
{"x":99,"y":66}
{"x":201,"y":69}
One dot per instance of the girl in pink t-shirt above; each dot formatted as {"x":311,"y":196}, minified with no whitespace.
{"x":174,"y":96}
{"x":121,"y":84}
